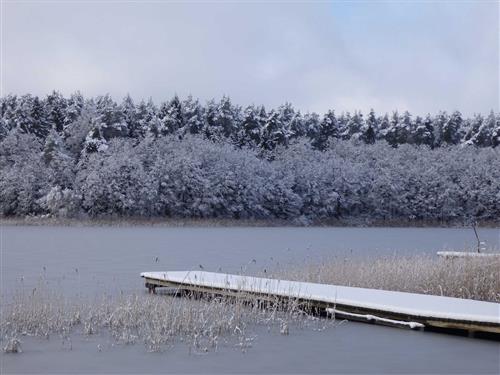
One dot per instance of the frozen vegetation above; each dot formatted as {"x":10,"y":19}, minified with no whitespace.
{"x":205,"y":324}
{"x":471,"y":278}
{"x":72,"y":157}
{"x":158,"y":322}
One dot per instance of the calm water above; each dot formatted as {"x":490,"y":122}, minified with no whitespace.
{"x":90,"y":261}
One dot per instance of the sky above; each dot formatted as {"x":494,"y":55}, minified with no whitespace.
{"x":421,"y":56}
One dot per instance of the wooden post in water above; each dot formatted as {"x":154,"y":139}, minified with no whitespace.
{"x":477,"y":237}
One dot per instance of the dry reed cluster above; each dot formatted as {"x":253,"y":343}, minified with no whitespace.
{"x":158,"y":321}
{"x":471,"y":278}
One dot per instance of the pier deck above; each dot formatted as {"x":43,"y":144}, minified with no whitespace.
{"x":416,"y":311}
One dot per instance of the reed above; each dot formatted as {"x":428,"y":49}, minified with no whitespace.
{"x":471,"y":278}
{"x":157,"y":321}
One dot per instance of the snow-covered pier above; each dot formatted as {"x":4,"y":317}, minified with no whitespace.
{"x":410,"y":310}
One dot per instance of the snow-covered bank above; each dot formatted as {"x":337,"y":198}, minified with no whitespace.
{"x":196,"y":222}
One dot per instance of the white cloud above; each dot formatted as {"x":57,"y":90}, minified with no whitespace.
{"x":421,"y":56}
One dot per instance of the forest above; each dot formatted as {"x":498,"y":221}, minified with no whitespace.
{"x":77,"y":157}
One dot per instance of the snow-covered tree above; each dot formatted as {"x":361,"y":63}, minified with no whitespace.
{"x":170,"y":115}
{"x":56,"y":111}
{"x":250,"y":131}
{"x":193,"y":116}
{"x":328,"y":129}
{"x":450,"y":131}
{"x":369,"y":129}
{"x":424,"y":131}
{"x":273,"y":133}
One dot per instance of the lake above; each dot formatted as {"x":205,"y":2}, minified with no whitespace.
{"x":89,"y":261}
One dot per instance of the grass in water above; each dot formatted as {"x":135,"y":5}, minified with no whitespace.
{"x":157,"y":321}
{"x":205,"y":323}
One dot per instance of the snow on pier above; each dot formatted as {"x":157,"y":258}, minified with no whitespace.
{"x":464,"y":254}
{"x":371,"y":305}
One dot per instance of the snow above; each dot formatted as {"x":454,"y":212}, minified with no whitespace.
{"x":369,"y":317}
{"x":463,"y":254}
{"x":417,"y":305}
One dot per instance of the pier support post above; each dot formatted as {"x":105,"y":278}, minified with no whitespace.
{"x":151,"y":288}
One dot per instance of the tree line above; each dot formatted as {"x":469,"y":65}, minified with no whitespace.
{"x":71,"y":157}
{"x":254,"y":126}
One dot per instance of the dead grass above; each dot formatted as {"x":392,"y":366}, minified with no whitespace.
{"x":157,"y":321}
{"x":471,"y":278}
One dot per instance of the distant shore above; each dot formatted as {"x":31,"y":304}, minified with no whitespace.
{"x":210,"y":222}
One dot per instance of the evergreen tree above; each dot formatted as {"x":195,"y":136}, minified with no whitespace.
{"x":8,"y":113}
{"x":383,"y":127}
{"x":127,"y":107}
{"x":439,"y":123}
{"x":193,"y":116}
{"x":297,"y":126}
{"x":147,"y":120}
{"x":312,"y":125}
{"x":74,"y":108}
{"x":424,"y":131}
{"x":495,"y":134}
{"x":369,"y":128}
{"x":355,"y":125}
{"x":286,"y":113}
{"x":56,"y":111}
{"x":483,"y":132}
{"x":392,"y":134}
{"x":110,"y":119}
{"x":404,"y":129}
{"x":328,"y":129}
{"x":343,"y":121}
{"x":273,"y":133}
{"x":171,"y":116}
{"x":225,"y":117}
{"x":251,"y":128}
{"x":30,"y":116}
{"x":450,"y":134}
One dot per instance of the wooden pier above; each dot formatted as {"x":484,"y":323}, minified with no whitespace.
{"x":398,"y":309}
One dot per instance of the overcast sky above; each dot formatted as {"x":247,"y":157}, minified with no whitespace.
{"x":420,"y":56}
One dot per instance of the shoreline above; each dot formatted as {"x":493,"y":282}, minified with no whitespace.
{"x":221,"y":223}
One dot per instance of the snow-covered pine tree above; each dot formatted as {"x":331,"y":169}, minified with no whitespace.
{"x":193,"y":116}
{"x":8,"y":105}
{"x":495,"y":134}
{"x":312,"y":125}
{"x":369,"y":128}
{"x":170,"y":115}
{"x":74,"y":107}
{"x":129,"y":111}
{"x":110,"y":119}
{"x":225,"y":119}
{"x":391,"y":135}
{"x":273,"y":132}
{"x":328,"y":129}
{"x":250,"y":131}
{"x":423,"y":133}
{"x":56,"y":111}
{"x":439,"y":123}
{"x":30,"y":116}
{"x":478,"y":133}
{"x":450,"y":131}
{"x":383,"y":126}
{"x":297,"y":125}
{"x":147,"y":120}
{"x":343,"y":121}
{"x":405,"y":129}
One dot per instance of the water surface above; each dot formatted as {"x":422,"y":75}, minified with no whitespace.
{"x":92,"y":260}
